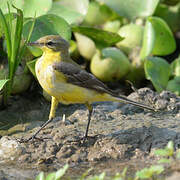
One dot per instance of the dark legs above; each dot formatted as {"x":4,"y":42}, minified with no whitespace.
{"x":54,"y":104}
{"x":37,"y":132}
{"x":90,"y":109}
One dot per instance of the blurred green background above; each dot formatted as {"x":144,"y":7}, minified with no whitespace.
{"x":116,"y":40}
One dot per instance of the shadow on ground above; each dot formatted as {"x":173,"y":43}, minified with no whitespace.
{"x":120,"y":135}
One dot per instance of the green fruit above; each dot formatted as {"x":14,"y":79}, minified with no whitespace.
{"x":85,"y":45}
{"x":73,"y":50}
{"x":97,"y":14}
{"x":21,"y":81}
{"x":112,"y":26}
{"x":133,"y":35}
{"x":111,"y":65}
{"x":174,"y":85}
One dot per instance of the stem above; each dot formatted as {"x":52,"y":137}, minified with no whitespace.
{"x":5,"y":97}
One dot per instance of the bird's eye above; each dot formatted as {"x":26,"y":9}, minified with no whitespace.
{"x":50,"y":43}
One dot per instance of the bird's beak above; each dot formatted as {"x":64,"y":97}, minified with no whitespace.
{"x":35,"y":43}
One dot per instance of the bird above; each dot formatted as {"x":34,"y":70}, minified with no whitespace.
{"x":67,"y":82}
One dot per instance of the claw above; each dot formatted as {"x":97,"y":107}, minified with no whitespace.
{"x":32,"y":138}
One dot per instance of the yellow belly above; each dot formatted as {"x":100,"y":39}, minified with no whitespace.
{"x":74,"y":94}
{"x":55,"y":85}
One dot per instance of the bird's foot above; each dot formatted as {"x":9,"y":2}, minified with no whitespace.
{"x":88,"y":140}
{"x":32,"y":138}
{"x":82,"y":141}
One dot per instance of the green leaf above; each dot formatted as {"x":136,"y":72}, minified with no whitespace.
{"x":99,"y":36}
{"x":3,"y":82}
{"x":174,"y":85}
{"x":23,"y":48}
{"x":16,"y":40}
{"x":31,"y":66}
{"x":51,"y":176}
{"x":164,"y":40}
{"x":54,"y":175}
{"x":34,"y":7}
{"x":124,"y":172}
{"x":178,"y":154}
{"x":85,"y":174}
{"x":132,"y":9}
{"x":162,"y":152}
{"x":157,"y":70}
{"x":46,"y":25}
{"x":13,"y":25}
{"x":175,"y":67}
{"x":148,"y":40}
{"x":61,"y":172}
{"x":4,"y":5}
{"x":167,"y":151}
{"x":80,"y":6}
{"x":40,"y":176}
{"x":72,"y":11}
{"x":158,"y":38}
{"x":149,"y":172}
{"x":170,"y":146}
{"x":165,"y":160}
{"x":70,"y":16}
{"x":144,"y":173}
{"x":29,"y":7}
{"x":6,"y":31}
{"x":100,"y":177}
{"x":120,"y":176}
{"x":157,"y":169}
{"x":170,"y":14}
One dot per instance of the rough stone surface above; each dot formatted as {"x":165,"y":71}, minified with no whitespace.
{"x":118,"y":132}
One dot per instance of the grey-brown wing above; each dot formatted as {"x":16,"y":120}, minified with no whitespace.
{"x":77,"y":76}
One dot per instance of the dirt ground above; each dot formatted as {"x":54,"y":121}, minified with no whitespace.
{"x":120,"y":135}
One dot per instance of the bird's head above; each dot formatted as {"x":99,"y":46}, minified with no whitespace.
{"x":52,"y":43}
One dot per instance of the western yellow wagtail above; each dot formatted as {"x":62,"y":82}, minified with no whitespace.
{"x":66,"y":82}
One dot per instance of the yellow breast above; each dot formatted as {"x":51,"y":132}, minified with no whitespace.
{"x":45,"y":72}
{"x":55,"y":83}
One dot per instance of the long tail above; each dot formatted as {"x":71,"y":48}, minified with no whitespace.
{"x":128,"y":101}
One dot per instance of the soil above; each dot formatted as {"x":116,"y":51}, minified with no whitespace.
{"x":120,"y":135}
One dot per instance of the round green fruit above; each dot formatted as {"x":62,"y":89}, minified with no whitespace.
{"x":133,"y":35}
{"x":110,"y":64}
{"x":21,"y":82}
{"x":97,"y":14}
{"x":85,"y":45}
{"x":112,"y":26}
{"x":73,"y":50}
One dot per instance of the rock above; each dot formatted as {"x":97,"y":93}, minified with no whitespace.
{"x":174,"y":176}
{"x":10,"y":149}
